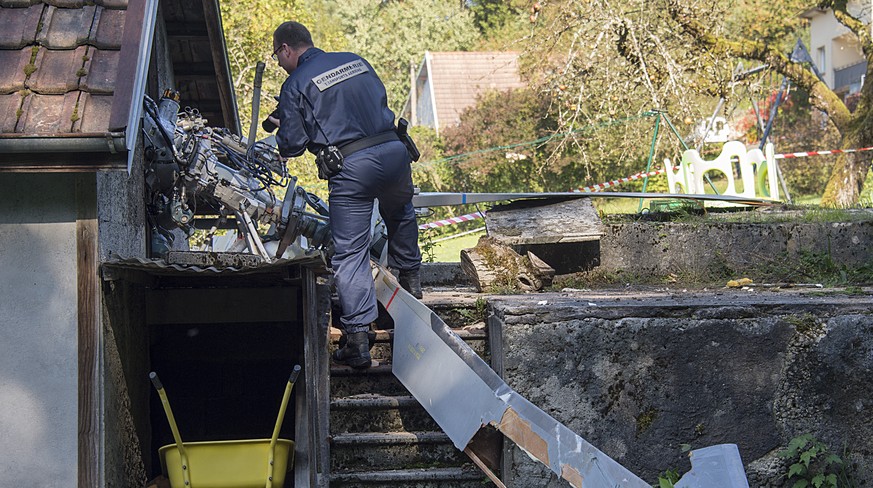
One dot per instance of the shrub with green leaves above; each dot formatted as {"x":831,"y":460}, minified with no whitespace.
{"x":814,"y":465}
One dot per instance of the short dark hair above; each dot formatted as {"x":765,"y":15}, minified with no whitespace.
{"x":294,"y":34}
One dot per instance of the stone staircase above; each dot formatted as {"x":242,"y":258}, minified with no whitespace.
{"x":379,"y":434}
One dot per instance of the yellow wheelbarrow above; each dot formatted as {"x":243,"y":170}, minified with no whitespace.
{"x":250,"y":463}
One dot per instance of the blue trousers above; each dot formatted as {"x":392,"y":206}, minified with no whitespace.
{"x":382,"y":171}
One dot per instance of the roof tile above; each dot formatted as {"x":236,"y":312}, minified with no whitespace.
{"x":113,"y":4}
{"x":47,"y":114}
{"x":58,"y":71}
{"x":14,"y":64}
{"x":66,"y":3}
{"x":19,"y":3}
{"x":9,"y":105}
{"x":20,"y":25}
{"x":110,"y":27}
{"x":101,"y":68}
{"x":93,"y":113}
{"x":66,"y":28}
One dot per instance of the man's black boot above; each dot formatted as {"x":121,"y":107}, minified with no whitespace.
{"x":411,"y":282}
{"x":356,"y":352}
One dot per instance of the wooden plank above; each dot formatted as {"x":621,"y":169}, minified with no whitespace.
{"x":316,"y":302}
{"x":222,"y":67}
{"x":127,"y":64}
{"x":498,"y":355}
{"x":160,"y":76}
{"x":88,"y":317}
{"x":493,"y":477}
{"x":533,"y":222}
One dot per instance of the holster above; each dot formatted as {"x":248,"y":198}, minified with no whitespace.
{"x":406,"y":139}
{"x":329,"y":161}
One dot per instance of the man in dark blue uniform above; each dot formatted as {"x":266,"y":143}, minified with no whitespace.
{"x":334,"y":105}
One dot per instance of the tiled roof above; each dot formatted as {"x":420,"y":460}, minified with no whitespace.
{"x":459,"y":77}
{"x":60,"y":60}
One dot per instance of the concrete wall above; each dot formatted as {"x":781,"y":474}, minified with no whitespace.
{"x":38,"y":330}
{"x":639,"y":375}
{"x":121,"y":211}
{"x":716,"y":249}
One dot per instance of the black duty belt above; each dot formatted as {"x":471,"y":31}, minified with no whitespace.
{"x":354,"y":146}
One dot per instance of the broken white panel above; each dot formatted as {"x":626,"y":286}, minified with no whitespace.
{"x":713,"y":466}
{"x":462,"y":394}
{"x":723,"y":164}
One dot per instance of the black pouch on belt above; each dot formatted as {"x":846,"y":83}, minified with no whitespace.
{"x":329,"y":161}
{"x":403,"y":135}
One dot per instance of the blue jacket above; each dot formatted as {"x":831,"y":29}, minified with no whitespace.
{"x":330,"y":99}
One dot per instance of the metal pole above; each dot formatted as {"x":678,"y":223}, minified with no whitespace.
{"x":773,"y":111}
{"x":651,"y":155}
{"x":709,"y":124}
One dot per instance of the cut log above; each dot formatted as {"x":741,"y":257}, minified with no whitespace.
{"x":493,"y":266}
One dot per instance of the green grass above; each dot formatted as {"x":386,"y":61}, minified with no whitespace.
{"x":449,"y":251}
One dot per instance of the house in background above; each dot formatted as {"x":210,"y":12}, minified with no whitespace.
{"x":446,"y":83}
{"x":835,"y":50}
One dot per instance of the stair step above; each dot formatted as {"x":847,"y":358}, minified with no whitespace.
{"x":368,"y":451}
{"x":375,"y":401}
{"x":389,"y":414}
{"x":389,"y":438}
{"x":345,"y":383}
{"x":462,"y":473}
{"x":378,"y":368}
{"x":473,"y":331}
{"x":475,"y":335}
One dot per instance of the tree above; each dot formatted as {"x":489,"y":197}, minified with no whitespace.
{"x":500,"y":121}
{"x":601,"y":57}
{"x":501,"y":23}
{"x":248,"y":29}
{"x":391,"y":34}
{"x":509,"y":142}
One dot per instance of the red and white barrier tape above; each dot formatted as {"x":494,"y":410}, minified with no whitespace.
{"x":637,"y":176}
{"x":452,"y":220}
{"x":601,"y":186}
{"x":819,"y":153}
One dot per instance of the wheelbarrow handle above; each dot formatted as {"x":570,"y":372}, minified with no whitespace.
{"x":156,"y":381}
{"x":294,"y":374}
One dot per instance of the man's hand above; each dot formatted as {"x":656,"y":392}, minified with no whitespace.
{"x":271,"y":123}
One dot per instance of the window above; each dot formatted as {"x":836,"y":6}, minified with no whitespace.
{"x":822,"y":59}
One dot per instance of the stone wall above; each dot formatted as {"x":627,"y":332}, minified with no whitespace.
{"x":639,"y":375}
{"x":712,"y":247}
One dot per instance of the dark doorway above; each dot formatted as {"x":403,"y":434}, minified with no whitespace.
{"x":223,"y":349}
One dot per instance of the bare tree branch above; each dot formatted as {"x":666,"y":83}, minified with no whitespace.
{"x":822,"y":96}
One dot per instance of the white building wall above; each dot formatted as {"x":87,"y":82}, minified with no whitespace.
{"x":839,"y":43}
{"x":38,"y":331}
{"x":822,"y":30}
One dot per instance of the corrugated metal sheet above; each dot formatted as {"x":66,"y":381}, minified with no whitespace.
{"x":163,"y":267}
